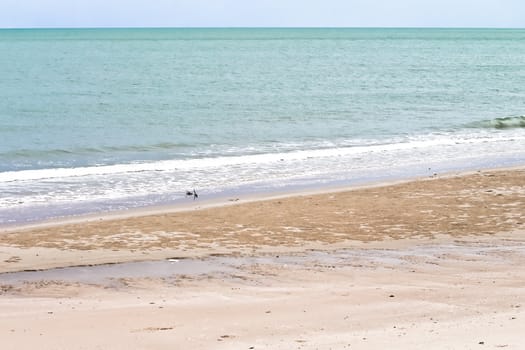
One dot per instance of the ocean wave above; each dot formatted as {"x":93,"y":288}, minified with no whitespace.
{"x":44,"y":153}
{"x":29,"y":195}
{"x":501,"y":123}
{"x":209,"y":164}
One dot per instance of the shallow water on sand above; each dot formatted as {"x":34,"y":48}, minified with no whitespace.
{"x":428,"y":256}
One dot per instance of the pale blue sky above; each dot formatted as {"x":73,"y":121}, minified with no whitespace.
{"x":262,"y":13}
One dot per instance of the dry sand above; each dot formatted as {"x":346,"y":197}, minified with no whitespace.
{"x":436,"y":263}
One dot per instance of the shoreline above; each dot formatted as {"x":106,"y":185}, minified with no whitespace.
{"x":30,"y":215}
{"x":320,"y":219}
{"x":237,"y":199}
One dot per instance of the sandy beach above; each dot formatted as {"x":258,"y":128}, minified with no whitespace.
{"x":436,"y":263}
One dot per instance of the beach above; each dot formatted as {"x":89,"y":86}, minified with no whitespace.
{"x":358,"y":188}
{"x":435,"y":262}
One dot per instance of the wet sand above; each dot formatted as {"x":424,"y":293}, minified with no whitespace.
{"x":434,"y":263}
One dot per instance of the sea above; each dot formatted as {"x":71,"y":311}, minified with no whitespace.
{"x":98,"y":120}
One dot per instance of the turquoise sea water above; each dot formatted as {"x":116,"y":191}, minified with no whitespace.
{"x":104,"y":119}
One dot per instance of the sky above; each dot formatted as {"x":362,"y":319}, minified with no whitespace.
{"x":262,"y":13}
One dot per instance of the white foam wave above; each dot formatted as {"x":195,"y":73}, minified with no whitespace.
{"x":40,"y":194}
{"x":199,"y":164}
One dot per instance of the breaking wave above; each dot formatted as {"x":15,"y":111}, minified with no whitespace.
{"x":502,"y":123}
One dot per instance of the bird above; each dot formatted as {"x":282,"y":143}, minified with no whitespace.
{"x":192,"y":193}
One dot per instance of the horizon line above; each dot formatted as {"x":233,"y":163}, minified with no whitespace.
{"x":260,"y":27}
